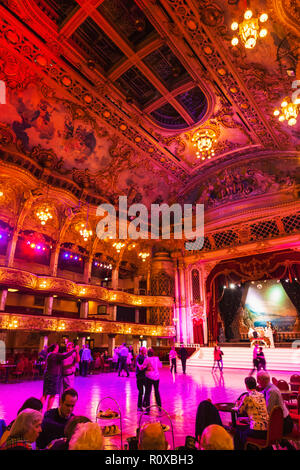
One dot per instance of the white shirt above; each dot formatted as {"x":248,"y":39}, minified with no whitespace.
{"x":155,"y":364}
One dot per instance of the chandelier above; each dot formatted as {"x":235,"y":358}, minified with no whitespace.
{"x":204,"y":140}
{"x":144,"y":255}
{"x":44,"y":215}
{"x":85,"y":233}
{"x":288,"y":112}
{"x":249,"y":29}
{"x":118,"y":246}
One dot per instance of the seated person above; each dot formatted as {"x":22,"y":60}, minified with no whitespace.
{"x":32,"y":404}
{"x":207,"y":414}
{"x":215,"y":437}
{"x":54,"y":421}
{"x":70,"y":428}
{"x":152,"y":437}
{"x":252,"y":404}
{"x":24,"y":431}
{"x":87,"y":436}
{"x":274,"y":398}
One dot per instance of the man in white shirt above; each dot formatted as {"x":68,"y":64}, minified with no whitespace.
{"x":86,"y":358}
{"x":123,"y":354}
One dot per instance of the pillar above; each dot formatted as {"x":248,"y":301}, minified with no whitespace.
{"x":43,"y":341}
{"x":203,"y":296}
{"x":48,"y":306}
{"x":115,"y":279}
{"x":137,"y":316}
{"x":3,"y":297}
{"x":183,"y":310}
{"x":87,"y":270}
{"x":136,"y":285}
{"x":84,"y":309}
{"x":149,"y":341}
{"x":54,"y":260}
{"x":111,"y":344}
{"x":11,"y":249}
{"x":189,"y":321}
{"x":177,"y":309}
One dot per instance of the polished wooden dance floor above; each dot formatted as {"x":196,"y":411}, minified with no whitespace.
{"x":180,"y":396}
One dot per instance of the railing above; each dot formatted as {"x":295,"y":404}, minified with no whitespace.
{"x":196,"y":346}
{"x":280,"y":336}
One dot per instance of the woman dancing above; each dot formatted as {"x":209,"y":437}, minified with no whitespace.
{"x":53,"y":373}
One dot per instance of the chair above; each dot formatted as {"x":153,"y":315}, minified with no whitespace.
{"x":283,"y":385}
{"x":19,"y":372}
{"x":274,"y":381}
{"x":274,"y":432}
{"x":295,"y":383}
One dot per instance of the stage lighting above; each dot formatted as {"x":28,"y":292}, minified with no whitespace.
{"x":232,"y":286}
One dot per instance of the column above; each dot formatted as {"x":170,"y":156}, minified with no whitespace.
{"x":88,"y":270}
{"x":11,"y":249}
{"x":84,"y":309}
{"x":137,"y":316}
{"x":43,"y":341}
{"x":111,"y":344}
{"x":115,"y":279}
{"x":177,"y":308}
{"x":136,"y":284}
{"x":182,"y":320}
{"x":54,"y":260}
{"x":48,"y":305}
{"x":189,"y":321}
{"x":203,"y":297}
{"x":3,"y":297}
{"x":149,"y":342}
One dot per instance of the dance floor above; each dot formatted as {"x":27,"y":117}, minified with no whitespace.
{"x":180,"y":396}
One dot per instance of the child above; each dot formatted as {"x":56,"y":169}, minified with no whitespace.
{"x":261,"y":359}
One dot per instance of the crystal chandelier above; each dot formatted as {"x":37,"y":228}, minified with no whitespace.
{"x":44,"y":215}
{"x":249,"y":29}
{"x":118,"y":246}
{"x":288,"y":112}
{"x":204,"y":140}
{"x":144,"y":255}
{"x":85,"y":233}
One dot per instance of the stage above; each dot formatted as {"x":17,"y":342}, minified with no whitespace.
{"x":180,"y":395}
{"x":277,"y":359}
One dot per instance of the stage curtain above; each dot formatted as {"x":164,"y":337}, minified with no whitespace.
{"x":198,"y":333}
{"x":292,"y":289}
{"x":228,"y":306}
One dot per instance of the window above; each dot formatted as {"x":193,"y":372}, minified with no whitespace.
{"x":102,"y":310}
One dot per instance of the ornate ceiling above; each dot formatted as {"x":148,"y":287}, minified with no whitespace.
{"x":108,"y":94}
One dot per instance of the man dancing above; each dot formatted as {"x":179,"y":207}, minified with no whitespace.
{"x":69,"y":367}
{"x":123,"y":353}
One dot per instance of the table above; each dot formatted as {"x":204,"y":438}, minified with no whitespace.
{"x":228,"y":408}
{"x":7,"y":367}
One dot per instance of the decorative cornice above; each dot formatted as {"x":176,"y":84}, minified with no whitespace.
{"x":48,"y":323}
{"x":10,"y":277}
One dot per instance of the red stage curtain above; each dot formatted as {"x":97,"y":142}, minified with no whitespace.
{"x":198,"y":333}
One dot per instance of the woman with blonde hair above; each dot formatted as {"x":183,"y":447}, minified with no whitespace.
{"x":88,"y":436}
{"x":25,"y":430}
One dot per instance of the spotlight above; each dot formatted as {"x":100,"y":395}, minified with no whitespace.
{"x":286,"y":280}
{"x":232,"y":286}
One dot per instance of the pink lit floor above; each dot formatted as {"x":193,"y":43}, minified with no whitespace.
{"x":180,"y":396}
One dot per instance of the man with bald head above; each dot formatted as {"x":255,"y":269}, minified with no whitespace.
{"x":215,"y":437}
{"x":152,"y":437}
{"x":274,"y":398}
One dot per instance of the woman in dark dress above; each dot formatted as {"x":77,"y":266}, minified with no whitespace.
{"x":53,"y":373}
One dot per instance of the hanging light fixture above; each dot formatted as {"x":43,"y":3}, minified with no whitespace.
{"x":289,"y":111}
{"x":204,"y":140}
{"x":44,"y":215}
{"x":85,"y":233}
{"x":118,"y":246}
{"x":144,"y":255}
{"x":250,"y":29}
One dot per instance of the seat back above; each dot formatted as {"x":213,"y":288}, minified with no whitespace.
{"x":274,"y":381}
{"x":275,"y":428}
{"x":282,"y":385}
{"x":295,"y":382}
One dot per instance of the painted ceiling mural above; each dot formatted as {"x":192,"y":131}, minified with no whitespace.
{"x":110,"y":94}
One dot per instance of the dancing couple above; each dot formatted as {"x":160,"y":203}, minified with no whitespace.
{"x":147,"y":376}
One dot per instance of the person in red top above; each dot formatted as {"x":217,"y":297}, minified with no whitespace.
{"x":218,"y":358}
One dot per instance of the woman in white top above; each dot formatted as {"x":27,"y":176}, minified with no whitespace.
{"x":152,"y":364}
{"x":269,"y":334}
